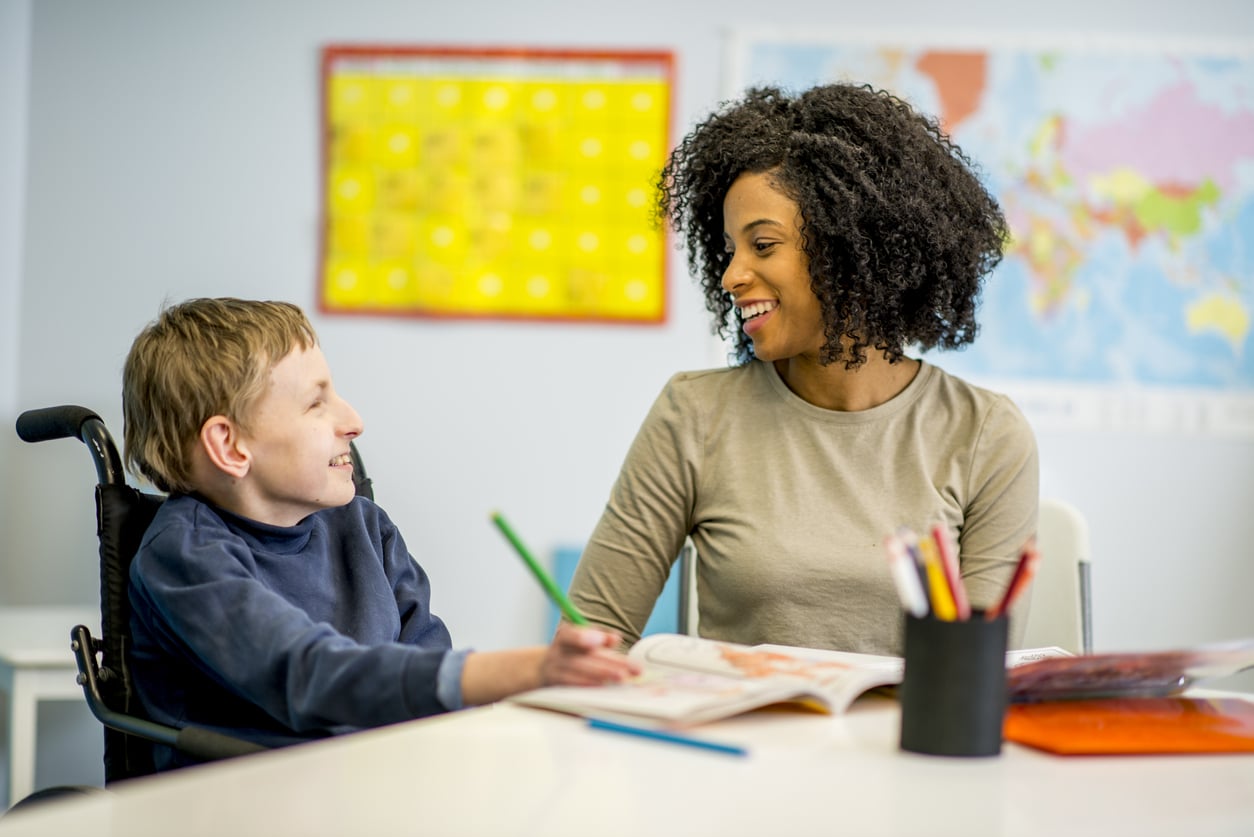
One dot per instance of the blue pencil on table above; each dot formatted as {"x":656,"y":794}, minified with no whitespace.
{"x":669,"y":737}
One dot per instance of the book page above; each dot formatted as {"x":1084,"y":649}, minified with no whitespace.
{"x":689,"y":680}
{"x":839,"y":676}
{"x":844,"y":676}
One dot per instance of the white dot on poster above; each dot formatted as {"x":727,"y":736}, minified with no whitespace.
{"x":398,"y":278}
{"x":636,"y":197}
{"x":442,"y":236}
{"x":642,"y":101}
{"x":544,"y":99}
{"x":399,"y":142}
{"x":637,"y":244}
{"x":590,"y":146}
{"x":540,"y":239}
{"x":495,"y":98}
{"x":538,"y":286}
{"x":589,"y":241}
{"x":346,"y":279}
{"x":590,"y":194}
{"x":448,"y":95}
{"x":490,"y":284}
{"x":350,"y":188}
{"x":636,"y":290}
{"x":594,"y":99}
{"x":639,"y":150}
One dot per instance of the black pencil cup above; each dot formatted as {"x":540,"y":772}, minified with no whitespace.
{"x":953,"y":696}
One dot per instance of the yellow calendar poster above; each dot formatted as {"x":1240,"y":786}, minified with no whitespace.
{"x":494,"y":183}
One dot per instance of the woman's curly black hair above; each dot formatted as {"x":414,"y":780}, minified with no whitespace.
{"x":898,"y":230}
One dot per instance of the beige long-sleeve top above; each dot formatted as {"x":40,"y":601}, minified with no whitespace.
{"x":788,"y":505}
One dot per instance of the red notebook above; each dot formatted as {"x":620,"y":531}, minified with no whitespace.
{"x":1134,"y":725}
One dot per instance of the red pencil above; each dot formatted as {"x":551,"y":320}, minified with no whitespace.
{"x":1024,"y":571}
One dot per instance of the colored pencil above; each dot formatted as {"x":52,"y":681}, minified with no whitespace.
{"x":1023,"y":573}
{"x":546,"y":581}
{"x":669,"y":737}
{"x":948,"y":552}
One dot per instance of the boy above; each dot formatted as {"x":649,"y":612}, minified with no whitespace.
{"x":268,"y":601}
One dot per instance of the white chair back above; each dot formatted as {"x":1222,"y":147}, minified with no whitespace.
{"x":1060,"y":612}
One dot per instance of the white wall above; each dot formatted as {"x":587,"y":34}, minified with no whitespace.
{"x":14,"y":90}
{"x":172,"y":152}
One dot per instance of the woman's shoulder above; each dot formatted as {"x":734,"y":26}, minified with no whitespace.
{"x":721,"y":380}
{"x":946,"y":385}
{"x":705,"y":377}
{"x":696,"y":392}
{"x":987,"y":406}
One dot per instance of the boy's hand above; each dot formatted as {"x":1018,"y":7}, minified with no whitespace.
{"x":576,"y":657}
{"x":585,"y":657}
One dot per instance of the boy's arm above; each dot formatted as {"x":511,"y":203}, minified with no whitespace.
{"x":576,"y":657}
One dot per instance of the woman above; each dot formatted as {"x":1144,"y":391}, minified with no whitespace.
{"x":837,"y":228}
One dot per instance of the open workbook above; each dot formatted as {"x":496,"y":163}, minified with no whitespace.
{"x":689,"y":680}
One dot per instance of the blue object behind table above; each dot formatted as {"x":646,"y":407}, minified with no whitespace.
{"x":665,"y":617}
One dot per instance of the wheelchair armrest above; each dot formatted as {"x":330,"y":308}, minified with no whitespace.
{"x":83,"y":645}
{"x":204,"y":744}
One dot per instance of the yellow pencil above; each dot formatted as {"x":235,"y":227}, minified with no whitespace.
{"x":937,"y":586}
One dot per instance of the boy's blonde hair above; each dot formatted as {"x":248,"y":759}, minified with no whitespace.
{"x":200,"y":358}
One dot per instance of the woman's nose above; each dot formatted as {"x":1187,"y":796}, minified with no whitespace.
{"x":735,"y":276}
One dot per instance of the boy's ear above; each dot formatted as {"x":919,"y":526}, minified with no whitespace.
{"x":221,"y":442}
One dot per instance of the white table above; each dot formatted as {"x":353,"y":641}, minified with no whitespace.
{"x":507,"y":770}
{"x":36,"y":664}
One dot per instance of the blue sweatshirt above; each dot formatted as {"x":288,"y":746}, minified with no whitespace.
{"x":282,"y":634}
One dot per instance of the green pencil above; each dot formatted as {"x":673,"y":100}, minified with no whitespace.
{"x":546,"y":581}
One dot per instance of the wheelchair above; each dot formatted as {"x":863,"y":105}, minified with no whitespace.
{"x":123,"y":513}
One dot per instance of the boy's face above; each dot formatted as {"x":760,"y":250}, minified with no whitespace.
{"x":298,"y":442}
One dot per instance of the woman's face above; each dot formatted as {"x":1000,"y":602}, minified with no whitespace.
{"x":768,"y":276}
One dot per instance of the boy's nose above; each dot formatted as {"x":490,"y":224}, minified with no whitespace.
{"x":350,"y":422}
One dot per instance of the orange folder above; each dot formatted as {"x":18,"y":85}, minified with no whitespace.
{"x":1134,"y":725}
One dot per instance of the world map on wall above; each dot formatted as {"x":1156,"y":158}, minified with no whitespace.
{"x":1127,"y":179}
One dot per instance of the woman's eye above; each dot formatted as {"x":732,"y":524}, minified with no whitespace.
{"x":762,"y":246}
